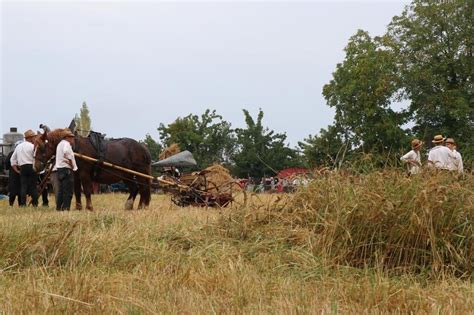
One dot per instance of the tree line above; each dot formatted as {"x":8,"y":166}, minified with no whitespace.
{"x":423,"y":61}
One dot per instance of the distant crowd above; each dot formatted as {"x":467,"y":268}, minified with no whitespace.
{"x":442,"y":156}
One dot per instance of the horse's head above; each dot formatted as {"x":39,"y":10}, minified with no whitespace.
{"x":44,"y":150}
{"x":45,"y":145}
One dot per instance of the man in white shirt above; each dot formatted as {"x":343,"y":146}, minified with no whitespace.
{"x":412,"y":158}
{"x":65,"y":165}
{"x":457,"y":164}
{"x":22,"y":163}
{"x":440,"y":157}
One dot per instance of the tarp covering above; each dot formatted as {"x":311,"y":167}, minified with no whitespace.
{"x":182,"y":159}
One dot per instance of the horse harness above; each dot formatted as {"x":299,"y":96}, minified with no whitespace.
{"x":98,"y":142}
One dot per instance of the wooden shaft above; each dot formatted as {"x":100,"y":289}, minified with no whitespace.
{"x":90,"y":159}
{"x":45,"y":179}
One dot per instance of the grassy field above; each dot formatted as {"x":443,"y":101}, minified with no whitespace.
{"x":194,"y":260}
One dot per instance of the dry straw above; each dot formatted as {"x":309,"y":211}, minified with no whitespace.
{"x":381,"y":220}
{"x":169,"y":151}
{"x":219,"y":177}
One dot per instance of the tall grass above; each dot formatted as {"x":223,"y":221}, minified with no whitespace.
{"x":284,"y":254}
{"x":383,"y":220}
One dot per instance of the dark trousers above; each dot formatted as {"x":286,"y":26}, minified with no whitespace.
{"x":14,"y":187}
{"x":28,"y":179}
{"x":44,"y":193}
{"x":55,"y":184}
{"x":66,"y":187}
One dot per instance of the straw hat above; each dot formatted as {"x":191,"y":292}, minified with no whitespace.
{"x":415,"y":143}
{"x":450,"y":140}
{"x":438,"y":139}
{"x":29,"y":133}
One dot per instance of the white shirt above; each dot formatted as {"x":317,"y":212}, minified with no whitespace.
{"x":412,"y":156}
{"x":442,"y":158}
{"x":63,"y":154}
{"x":23,"y":154}
{"x":458,"y":162}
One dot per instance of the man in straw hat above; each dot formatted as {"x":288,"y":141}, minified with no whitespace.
{"x":440,"y":157}
{"x":412,"y":158}
{"x":22,"y":163}
{"x":456,"y":164}
{"x":65,"y":165}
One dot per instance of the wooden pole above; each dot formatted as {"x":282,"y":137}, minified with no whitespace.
{"x":120,"y":168}
{"x":45,"y":180}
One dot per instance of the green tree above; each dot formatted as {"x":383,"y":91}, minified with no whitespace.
{"x":261,"y":151}
{"x":83,"y":121}
{"x":361,"y":91}
{"x":326,"y":149}
{"x":433,"y":41}
{"x":153,"y":146}
{"x":208,"y":137}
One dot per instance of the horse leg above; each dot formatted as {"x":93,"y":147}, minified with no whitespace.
{"x":145,"y":195}
{"x":133,"y":189}
{"x":77,"y":191}
{"x":87,"y":186}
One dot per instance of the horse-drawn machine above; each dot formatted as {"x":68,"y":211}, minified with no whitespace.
{"x":124,"y":159}
{"x":189,"y":189}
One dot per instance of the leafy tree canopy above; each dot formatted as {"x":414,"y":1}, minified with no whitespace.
{"x":433,"y":42}
{"x":153,"y":146}
{"x":361,"y":91}
{"x":425,"y":59}
{"x":326,"y":149}
{"x":261,"y":151}
{"x":208,"y":137}
{"x":83,"y":121}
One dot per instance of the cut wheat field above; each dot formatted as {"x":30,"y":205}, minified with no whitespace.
{"x":320,"y":250}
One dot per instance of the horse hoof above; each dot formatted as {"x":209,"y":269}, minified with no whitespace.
{"x":129,"y":205}
{"x":78,"y":207}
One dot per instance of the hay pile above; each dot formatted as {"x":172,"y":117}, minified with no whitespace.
{"x":169,"y":151}
{"x":219,"y":175}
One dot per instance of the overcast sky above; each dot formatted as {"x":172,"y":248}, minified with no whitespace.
{"x":139,"y":64}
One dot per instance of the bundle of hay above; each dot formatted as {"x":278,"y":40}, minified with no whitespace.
{"x":218,"y":175}
{"x":169,"y":151}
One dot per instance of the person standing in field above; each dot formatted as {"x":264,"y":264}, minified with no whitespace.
{"x":457,"y":164}
{"x":412,"y":159}
{"x":22,"y":163}
{"x":13,"y":181}
{"x":65,"y":165}
{"x":440,"y":157}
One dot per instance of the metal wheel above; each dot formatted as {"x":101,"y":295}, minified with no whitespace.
{"x":237,"y":194}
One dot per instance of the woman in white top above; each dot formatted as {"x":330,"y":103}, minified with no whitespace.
{"x":412,"y":158}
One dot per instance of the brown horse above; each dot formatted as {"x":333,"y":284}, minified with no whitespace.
{"x":124,"y":152}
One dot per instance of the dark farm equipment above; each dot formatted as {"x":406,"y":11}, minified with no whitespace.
{"x":6,"y":146}
{"x":191,"y":189}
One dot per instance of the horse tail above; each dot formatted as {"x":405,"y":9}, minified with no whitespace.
{"x":147,"y":189}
